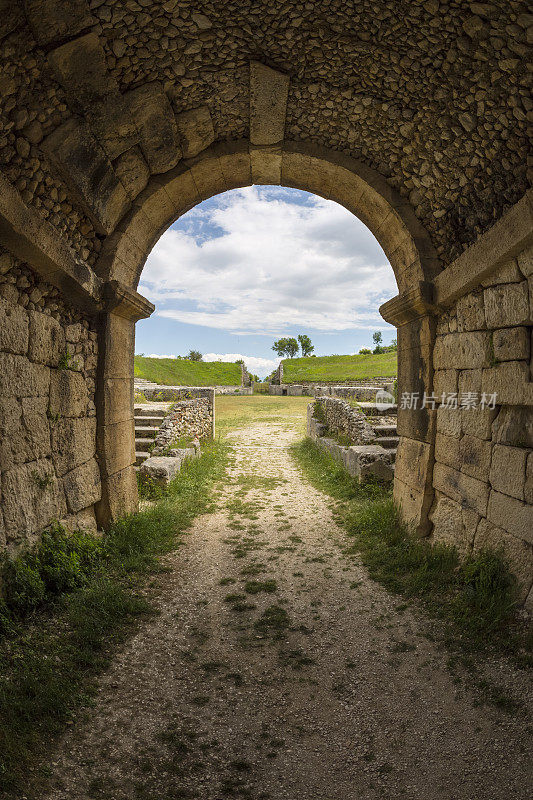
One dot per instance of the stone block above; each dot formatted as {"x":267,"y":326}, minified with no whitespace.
{"x":414,"y":505}
{"x":160,"y":470}
{"x":159,"y":140}
{"x":84,"y":520}
{"x":506,"y":273}
{"x":512,"y":515}
{"x":20,"y":378}
{"x":73,"y":443}
{"x":36,"y":427}
{"x":54,"y":20}
{"x":119,"y":496}
{"x":469,"y":492}
{"x":514,"y":426}
{"x":511,"y":344}
{"x":452,"y":524}
{"x":444,"y":381}
{"x":507,"y":305}
{"x":88,"y":173}
{"x":116,"y":446}
{"x":82,"y":486}
{"x":469,"y":380}
{"x":517,"y":553}
{"x":68,"y":393}
{"x":32,"y":499}
{"x":80,"y":67}
{"x":474,"y":457}
{"x":525,"y":262}
{"x":47,"y":339}
{"x":294,"y":390}
{"x":132,"y":171}
{"x":365,"y":461}
{"x":113,"y":125}
{"x":196,"y":132}
{"x":508,"y":470}
{"x":478,"y":422}
{"x":269,"y":90}
{"x":447,"y":450}
{"x":528,"y":486}
{"x":470,"y":312}
{"x":413,"y":463}
{"x":449,"y":421}
{"x":14,"y":329}
{"x":467,"y":350}
{"x":509,"y":381}
{"x":266,"y":166}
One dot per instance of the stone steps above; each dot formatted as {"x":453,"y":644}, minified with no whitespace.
{"x":385,"y":430}
{"x":154,"y":421}
{"x":372,"y":410}
{"x":145,"y":431}
{"x":388,"y":442}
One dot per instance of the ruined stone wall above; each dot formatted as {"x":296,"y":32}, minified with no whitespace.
{"x":483,"y":474}
{"x":187,"y":418}
{"x":48,"y":354}
{"x":342,"y":418}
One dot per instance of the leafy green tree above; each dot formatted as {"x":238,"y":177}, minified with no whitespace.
{"x":365,"y":351}
{"x":280,"y":346}
{"x":292,"y":347}
{"x":378,"y":342}
{"x":305,"y":344}
{"x":194,"y":355}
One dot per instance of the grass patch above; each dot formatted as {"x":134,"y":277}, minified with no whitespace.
{"x":476,"y":597}
{"x":254,"y":587}
{"x":340,"y":368}
{"x":66,"y":606}
{"x":182,"y":372}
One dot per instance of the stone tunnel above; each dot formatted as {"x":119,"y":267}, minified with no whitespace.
{"x":118,"y":117}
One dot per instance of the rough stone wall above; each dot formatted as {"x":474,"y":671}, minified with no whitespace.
{"x":483,"y":475}
{"x":341,"y":418}
{"x":432,"y":95}
{"x":48,"y":354}
{"x":191,"y":418}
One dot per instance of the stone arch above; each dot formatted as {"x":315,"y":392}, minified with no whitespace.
{"x":331,"y":175}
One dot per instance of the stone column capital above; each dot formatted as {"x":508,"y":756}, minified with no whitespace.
{"x":409,"y":305}
{"x":124,"y":302}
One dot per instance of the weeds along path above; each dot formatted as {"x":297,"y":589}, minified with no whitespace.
{"x":277,"y":669}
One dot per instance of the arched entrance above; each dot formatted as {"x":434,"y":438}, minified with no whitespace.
{"x":331,"y":175}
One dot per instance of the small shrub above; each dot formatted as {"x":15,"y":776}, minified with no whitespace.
{"x":22,"y":585}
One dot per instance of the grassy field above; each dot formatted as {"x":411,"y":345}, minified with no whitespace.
{"x":180,"y":372}
{"x":237,"y":412}
{"x":339,"y":368}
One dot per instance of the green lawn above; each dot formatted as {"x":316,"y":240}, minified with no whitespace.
{"x":339,"y":368}
{"x":180,"y":372}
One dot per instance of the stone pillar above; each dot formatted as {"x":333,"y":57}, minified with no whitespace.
{"x":413,"y":313}
{"x":114,"y":401}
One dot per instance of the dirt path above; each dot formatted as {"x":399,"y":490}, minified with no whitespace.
{"x":323,"y":688}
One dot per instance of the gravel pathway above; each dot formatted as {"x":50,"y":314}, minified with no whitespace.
{"x":315,"y":684}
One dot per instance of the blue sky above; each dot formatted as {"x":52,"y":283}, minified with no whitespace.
{"x":251,"y":265}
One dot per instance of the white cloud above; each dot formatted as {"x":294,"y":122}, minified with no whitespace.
{"x":254,"y":364}
{"x":258,"y":263}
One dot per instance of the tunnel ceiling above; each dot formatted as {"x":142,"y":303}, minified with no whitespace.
{"x":431,"y":94}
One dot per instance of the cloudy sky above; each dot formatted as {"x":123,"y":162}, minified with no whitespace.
{"x":250,"y":265}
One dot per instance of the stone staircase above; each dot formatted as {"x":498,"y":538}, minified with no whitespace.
{"x":148,"y":419}
{"x":387,"y":437}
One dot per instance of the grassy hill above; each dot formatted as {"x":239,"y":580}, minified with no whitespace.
{"x":180,"y":372}
{"x":339,"y":368}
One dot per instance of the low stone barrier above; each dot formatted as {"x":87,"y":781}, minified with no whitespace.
{"x":160,"y":470}
{"x":155,"y":391}
{"x":341,"y":418}
{"x":362,"y":461}
{"x":192,"y":418}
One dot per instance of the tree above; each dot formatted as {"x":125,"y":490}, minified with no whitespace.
{"x":194,"y":355}
{"x":378,"y":339}
{"x":280,"y":347}
{"x":305,"y":344}
{"x":292,"y":347}
{"x":365,"y":351}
